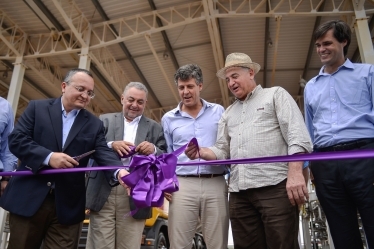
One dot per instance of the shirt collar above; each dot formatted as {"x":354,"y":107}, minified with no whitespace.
{"x":347,"y":64}
{"x":135,"y":120}
{"x":178,"y":110}
{"x":254,"y":92}
{"x":74,"y":111}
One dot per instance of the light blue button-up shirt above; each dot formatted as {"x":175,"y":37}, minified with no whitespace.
{"x":67,"y":123}
{"x":8,"y":161}
{"x":339,"y":106}
{"x":179,"y":128}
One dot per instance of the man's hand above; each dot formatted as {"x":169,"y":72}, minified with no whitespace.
{"x":121,"y":174}
{"x":61,"y":160}
{"x":192,"y":151}
{"x":3,"y":186}
{"x":122,"y":147}
{"x":145,"y":148}
{"x":296,"y":188}
{"x":168,"y":196}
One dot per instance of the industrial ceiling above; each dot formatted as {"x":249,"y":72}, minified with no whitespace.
{"x":148,"y":40}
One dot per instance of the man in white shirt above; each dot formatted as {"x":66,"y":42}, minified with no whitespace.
{"x":108,"y":227}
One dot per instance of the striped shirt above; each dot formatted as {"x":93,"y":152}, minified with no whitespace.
{"x":267,"y":123}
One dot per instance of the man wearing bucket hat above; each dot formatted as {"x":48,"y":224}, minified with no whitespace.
{"x":261,"y":122}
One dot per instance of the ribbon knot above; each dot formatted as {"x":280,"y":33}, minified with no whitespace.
{"x":150,"y":177}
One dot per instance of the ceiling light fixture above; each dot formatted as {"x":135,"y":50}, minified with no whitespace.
{"x":302,"y":82}
{"x":165,"y":55}
{"x":5,"y":74}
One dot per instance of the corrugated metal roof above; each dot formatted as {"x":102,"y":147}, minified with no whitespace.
{"x":241,"y":30}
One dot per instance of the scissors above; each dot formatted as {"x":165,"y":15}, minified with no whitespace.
{"x":77,"y":158}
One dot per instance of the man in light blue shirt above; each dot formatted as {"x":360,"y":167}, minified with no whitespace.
{"x":339,"y":116}
{"x":203,"y":191}
{"x":8,"y":161}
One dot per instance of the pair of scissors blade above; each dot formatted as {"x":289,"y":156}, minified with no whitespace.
{"x":77,"y":158}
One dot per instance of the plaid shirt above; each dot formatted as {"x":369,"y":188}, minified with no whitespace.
{"x":267,"y":123}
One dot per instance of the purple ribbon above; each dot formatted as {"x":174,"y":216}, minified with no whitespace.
{"x":131,"y":153}
{"x":341,"y":155}
{"x":151,"y":176}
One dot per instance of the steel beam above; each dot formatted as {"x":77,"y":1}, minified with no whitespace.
{"x":311,"y":45}
{"x":365,"y":43}
{"x":275,"y":55}
{"x":266,"y":47}
{"x":165,"y":37}
{"x":356,"y":55}
{"x":215,"y":38}
{"x":41,"y":45}
{"x":166,"y":77}
{"x":16,"y":83}
{"x":127,"y":52}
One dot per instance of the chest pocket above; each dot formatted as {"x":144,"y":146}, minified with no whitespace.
{"x":264,"y":115}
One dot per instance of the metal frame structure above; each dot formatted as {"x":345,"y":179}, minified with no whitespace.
{"x":88,"y":42}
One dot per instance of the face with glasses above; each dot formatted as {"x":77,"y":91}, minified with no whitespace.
{"x":77,"y":93}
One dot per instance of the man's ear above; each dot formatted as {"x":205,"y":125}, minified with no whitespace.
{"x":63,"y":86}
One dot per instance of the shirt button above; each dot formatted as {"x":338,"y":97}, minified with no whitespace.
{"x":49,"y":184}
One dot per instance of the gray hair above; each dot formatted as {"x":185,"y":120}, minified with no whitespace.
{"x":187,"y":72}
{"x":137,"y":85}
{"x":73,"y":71}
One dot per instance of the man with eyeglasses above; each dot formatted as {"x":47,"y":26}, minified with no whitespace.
{"x":49,"y":208}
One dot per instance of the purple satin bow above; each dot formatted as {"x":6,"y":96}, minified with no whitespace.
{"x":151,"y":176}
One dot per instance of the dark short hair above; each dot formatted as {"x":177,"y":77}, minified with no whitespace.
{"x":341,"y":30}
{"x":187,"y":72}
{"x":73,"y":71}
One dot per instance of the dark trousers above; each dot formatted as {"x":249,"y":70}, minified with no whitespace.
{"x":263,"y":218}
{"x":30,"y":232}
{"x":344,"y":187}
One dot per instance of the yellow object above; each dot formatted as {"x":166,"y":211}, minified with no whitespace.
{"x":156,"y":212}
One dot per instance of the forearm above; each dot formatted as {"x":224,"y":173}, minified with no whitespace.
{"x":295,"y":168}
{"x":207,"y":154}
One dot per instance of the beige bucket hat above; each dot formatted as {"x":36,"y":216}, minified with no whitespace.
{"x":238,"y":60}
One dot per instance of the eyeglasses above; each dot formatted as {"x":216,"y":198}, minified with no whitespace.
{"x":81,"y":89}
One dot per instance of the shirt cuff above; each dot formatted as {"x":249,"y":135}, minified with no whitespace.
{"x":155,"y":152}
{"x":294,"y":149}
{"x":110,"y":144}
{"x":46,"y":160}
{"x":115,"y":175}
{"x":306,"y":164}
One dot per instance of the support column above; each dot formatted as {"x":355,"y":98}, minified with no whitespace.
{"x":363,"y":35}
{"x":84,"y":59}
{"x":16,"y":83}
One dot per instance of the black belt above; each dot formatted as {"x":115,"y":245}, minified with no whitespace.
{"x":347,"y":146}
{"x":203,"y":175}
